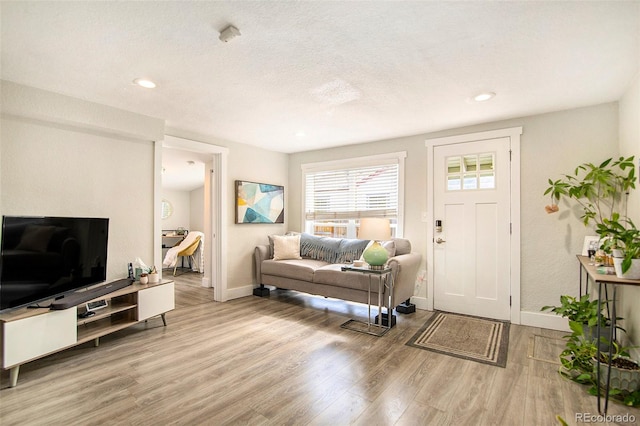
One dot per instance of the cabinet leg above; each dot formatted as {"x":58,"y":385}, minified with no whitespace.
{"x":13,"y":376}
{"x":164,"y":319}
{"x":96,"y":342}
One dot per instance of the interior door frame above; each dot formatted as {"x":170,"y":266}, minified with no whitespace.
{"x":217,"y":273}
{"x":513,"y":134}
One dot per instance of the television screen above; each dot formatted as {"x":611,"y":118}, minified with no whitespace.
{"x":43,"y":257}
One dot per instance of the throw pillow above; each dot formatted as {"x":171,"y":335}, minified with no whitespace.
{"x":271,"y":240}
{"x":286,"y":247}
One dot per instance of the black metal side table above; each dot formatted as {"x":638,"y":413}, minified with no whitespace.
{"x":603,"y":281}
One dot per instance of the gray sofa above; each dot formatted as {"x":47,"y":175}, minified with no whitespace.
{"x":316,"y":276}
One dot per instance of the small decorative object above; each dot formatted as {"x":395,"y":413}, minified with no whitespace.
{"x":259,"y":203}
{"x":375,"y":229}
{"x":144,"y":278}
{"x":154,"y":278}
{"x":181,"y":231}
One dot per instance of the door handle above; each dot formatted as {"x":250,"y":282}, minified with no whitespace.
{"x":440,"y":240}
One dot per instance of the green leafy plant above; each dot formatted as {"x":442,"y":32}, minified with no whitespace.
{"x":577,"y":357}
{"x":599,"y":189}
{"x":582,"y":310}
{"x":620,"y":234}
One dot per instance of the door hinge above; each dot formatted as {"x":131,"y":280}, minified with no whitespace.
{"x":509,"y":300}
{"x":510,"y":228}
{"x":510,"y":152}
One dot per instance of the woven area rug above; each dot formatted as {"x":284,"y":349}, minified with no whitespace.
{"x":477,"y":339}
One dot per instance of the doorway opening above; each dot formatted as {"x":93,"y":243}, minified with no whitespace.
{"x":207,"y":202}
{"x":473,"y":216}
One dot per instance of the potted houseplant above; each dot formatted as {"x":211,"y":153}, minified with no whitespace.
{"x":583,"y":312}
{"x":625,"y":373}
{"x":602,"y":190}
{"x":622,"y":239}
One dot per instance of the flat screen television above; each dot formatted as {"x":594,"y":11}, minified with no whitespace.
{"x":45,"y":257}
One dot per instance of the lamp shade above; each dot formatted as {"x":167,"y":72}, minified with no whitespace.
{"x":376,"y":229}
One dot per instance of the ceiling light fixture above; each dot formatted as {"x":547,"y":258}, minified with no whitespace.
{"x":143,"y":82}
{"x":229,"y":33}
{"x":482,"y":97}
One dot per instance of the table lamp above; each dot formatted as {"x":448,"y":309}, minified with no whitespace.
{"x":375,"y":229}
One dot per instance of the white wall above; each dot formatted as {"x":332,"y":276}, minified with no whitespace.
{"x":630,"y":145}
{"x":67,"y":157}
{"x":181,"y":202}
{"x":253,"y":164}
{"x":552,"y":144}
{"x":196,"y":200}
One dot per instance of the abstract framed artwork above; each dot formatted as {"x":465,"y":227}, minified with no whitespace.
{"x":259,"y":202}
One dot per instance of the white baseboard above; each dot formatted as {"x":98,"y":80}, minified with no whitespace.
{"x":205,"y":282}
{"x":420,"y":302}
{"x":238,"y":292}
{"x":538,"y":319}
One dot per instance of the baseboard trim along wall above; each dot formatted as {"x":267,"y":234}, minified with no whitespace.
{"x":420,"y":302}
{"x":238,"y":292}
{"x":539,"y":319}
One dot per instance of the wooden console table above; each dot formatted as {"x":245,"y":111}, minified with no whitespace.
{"x":29,"y":334}
{"x":603,"y":281}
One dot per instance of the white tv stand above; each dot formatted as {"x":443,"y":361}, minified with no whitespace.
{"x":29,"y":334}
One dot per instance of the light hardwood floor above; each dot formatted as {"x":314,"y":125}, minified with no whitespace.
{"x":285,"y":360}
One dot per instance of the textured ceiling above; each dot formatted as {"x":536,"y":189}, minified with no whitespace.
{"x":307,"y":75}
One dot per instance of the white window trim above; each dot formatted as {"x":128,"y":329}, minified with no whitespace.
{"x":388,"y":158}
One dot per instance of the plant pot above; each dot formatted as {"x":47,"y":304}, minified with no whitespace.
{"x":591,"y":334}
{"x":633,"y":273}
{"x":154,"y":278}
{"x":621,"y":378}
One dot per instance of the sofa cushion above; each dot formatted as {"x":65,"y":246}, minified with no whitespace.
{"x":333,"y":275}
{"x":403,"y":246}
{"x":270,"y":237}
{"x":286,"y":247}
{"x":298,"y":269}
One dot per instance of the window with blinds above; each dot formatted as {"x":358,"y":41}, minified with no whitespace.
{"x":337,"y":196}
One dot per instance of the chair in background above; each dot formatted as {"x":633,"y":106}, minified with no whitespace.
{"x":188,"y":252}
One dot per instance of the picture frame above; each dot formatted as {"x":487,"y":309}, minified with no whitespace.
{"x":590,"y":242}
{"x":259,"y":202}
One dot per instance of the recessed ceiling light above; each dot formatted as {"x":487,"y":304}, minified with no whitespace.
{"x":483,"y":96}
{"x":301,"y":134}
{"x":143,"y":82}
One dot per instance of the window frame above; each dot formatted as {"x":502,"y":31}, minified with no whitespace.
{"x":356,"y":162}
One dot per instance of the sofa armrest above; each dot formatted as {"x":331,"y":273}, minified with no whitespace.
{"x":260,"y":253}
{"x":405,"y":269}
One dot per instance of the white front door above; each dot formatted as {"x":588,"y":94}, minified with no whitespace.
{"x":471,"y":252}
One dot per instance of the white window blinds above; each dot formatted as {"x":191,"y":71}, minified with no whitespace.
{"x":353,"y":192}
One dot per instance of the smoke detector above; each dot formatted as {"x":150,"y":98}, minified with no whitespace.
{"x":229,"y":33}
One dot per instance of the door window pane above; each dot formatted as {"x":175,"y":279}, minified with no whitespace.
{"x":471,"y":172}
